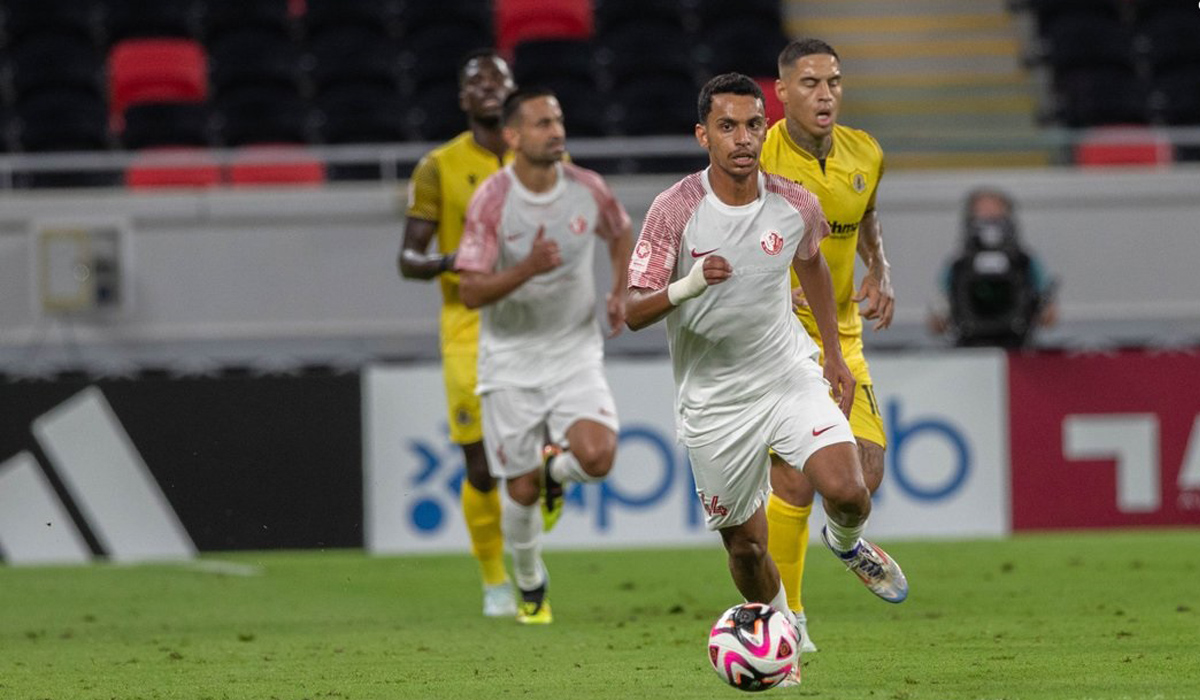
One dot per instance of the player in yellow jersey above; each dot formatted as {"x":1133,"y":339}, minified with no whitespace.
{"x":440,"y":189}
{"x":842,"y":166}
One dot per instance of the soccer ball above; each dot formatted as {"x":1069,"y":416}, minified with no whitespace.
{"x":753,"y":647}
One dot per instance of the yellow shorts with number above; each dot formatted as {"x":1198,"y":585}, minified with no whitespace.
{"x":460,"y":359}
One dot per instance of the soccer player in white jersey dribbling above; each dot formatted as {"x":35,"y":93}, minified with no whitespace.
{"x":526,"y":261}
{"x":713,"y":260}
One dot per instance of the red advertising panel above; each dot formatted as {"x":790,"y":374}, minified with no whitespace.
{"x":1105,"y":440}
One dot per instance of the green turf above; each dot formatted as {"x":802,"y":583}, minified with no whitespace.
{"x":1096,"y":616}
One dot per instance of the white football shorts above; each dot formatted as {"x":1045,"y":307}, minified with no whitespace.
{"x":733,"y":473}
{"x":516,"y":420}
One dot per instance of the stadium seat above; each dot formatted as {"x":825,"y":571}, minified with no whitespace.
{"x":431,"y":53}
{"x":172,"y":168}
{"x":713,"y":13}
{"x":223,"y":15}
{"x":153,"y":124}
{"x":1101,"y":96}
{"x":1046,"y":11}
{"x":62,"y":120}
{"x":585,"y":109}
{"x":363,"y":113}
{"x":611,"y":15}
{"x":1086,"y":40}
{"x":540,"y":60}
{"x":1176,"y":97}
{"x":25,"y":17}
{"x":320,"y":15}
{"x":262,"y":114}
{"x":747,"y":45}
{"x":253,"y":55}
{"x":1116,"y":146}
{"x":774,"y":108}
{"x":49,"y":60}
{"x":523,"y":20}
{"x":434,"y":114}
{"x":635,"y":49}
{"x":357,"y":53}
{"x":270,"y":164}
{"x":655,"y":104}
{"x":129,"y":19}
{"x":1171,"y":38}
{"x":155,"y":70}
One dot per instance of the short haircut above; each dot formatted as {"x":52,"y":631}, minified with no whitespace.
{"x":473,"y":55}
{"x":512,"y":103}
{"x":803,"y":47}
{"x":725,"y":84}
{"x":979,"y":193}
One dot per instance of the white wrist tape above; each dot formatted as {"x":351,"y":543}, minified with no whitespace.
{"x":689,"y":287}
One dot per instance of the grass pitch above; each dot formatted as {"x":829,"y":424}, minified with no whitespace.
{"x":1077,"y":616}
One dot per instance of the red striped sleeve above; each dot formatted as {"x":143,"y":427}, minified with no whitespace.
{"x":613,"y":217}
{"x":816,"y":227}
{"x":654,"y":256}
{"x":480,"y":244}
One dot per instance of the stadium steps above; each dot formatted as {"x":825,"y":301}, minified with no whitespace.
{"x":919,"y":69}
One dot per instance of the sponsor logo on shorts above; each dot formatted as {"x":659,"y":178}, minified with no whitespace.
{"x":712,"y":507}
{"x":817,"y":433}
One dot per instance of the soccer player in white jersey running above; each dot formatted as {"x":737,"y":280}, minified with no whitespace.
{"x":526,"y":260}
{"x":713,"y":260}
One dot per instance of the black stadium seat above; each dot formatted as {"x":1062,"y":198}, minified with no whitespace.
{"x":25,"y":17}
{"x":257,"y":114}
{"x":252,"y":55}
{"x":152,"y":124}
{"x":353,"y":53}
{"x":127,"y":19}
{"x":49,"y":60}
{"x":1089,"y":97}
{"x":62,"y":120}
{"x":361,"y":113}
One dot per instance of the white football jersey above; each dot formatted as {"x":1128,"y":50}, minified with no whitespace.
{"x":735,"y":341}
{"x":546,"y":328}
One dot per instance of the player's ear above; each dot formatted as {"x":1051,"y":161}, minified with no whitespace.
{"x":702,"y":136}
{"x":781,"y":90}
{"x":512,"y":138}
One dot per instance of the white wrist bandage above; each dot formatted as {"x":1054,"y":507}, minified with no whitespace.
{"x":689,"y":287}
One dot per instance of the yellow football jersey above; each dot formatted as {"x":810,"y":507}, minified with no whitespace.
{"x":845,"y":187}
{"x":440,"y":190}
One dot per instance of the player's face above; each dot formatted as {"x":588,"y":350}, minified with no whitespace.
{"x":486,"y":81}
{"x":811,"y":93}
{"x":734,"y":133}
{"x":537,"y":133}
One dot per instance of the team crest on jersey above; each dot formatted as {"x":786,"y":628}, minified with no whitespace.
{"x":643,"y":249}
{"x":578,"y":225}
{"x":772,"y":242}
{"x":858,"y":180}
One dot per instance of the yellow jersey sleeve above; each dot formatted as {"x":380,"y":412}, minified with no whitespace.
{"x":425,"y":190}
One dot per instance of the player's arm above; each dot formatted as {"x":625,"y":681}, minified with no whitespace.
{"x":817,"y":284}
{"x":424,"y":205}
{"x":620,"y":248}
{"x":644,"y":307}
{"x":415,"y":262}
{"x":876,"y":288}
{"x":477,"y":288}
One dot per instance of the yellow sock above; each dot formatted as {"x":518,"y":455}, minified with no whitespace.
{"x":787,"y":541}
{"x":482,"y":513}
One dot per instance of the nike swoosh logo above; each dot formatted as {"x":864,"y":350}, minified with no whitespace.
{"x":817,"y":433}
{"x":702,"y":253}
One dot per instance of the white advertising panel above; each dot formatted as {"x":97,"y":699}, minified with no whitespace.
{"x":947,"y":466}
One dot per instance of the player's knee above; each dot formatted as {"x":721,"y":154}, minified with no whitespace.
{"x":524,"y":491}
{"x":849,"y":497}
{"x":596,"y":457}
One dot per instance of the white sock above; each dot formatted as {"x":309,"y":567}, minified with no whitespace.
{"x":565,"y":468}
{"x":844,"y":539}
{"x":522,"y":527}
{"x":779,"y":602}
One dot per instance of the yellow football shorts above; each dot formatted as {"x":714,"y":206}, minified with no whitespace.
{"x":866,"y":421}
{"x":463,"y":412}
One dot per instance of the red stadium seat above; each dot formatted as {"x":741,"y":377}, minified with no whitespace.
{"x":1123,"y":145}
{"x":770,"y":100}
{"x":155,"y":70}
{"x":520,"y":20}
{"x":173,"y":167}
{"x":276,"y":165}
